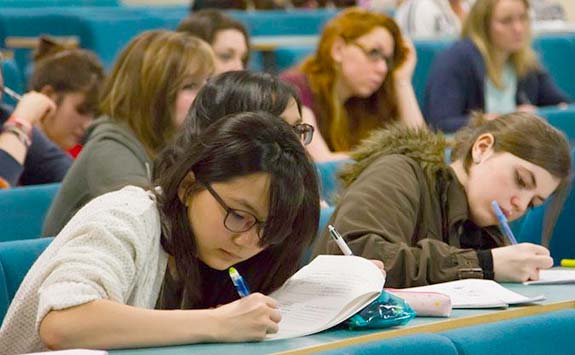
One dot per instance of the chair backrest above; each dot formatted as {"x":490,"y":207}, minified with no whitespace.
{"x":16,"y":258}
{"x":328,"y":179}
{"x":426,"y":51}
{"x":423,"y":343}
{"x":562,"y":243}
{"x":562,"y":119}
{"x":23,"y":210}
{"x":557,"y":54}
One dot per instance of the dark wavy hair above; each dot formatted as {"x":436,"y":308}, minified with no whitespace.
{"x":240,"y":145}
{"x":233,"y":92}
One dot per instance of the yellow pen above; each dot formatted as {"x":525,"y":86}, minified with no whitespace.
{"x":568,"y":262}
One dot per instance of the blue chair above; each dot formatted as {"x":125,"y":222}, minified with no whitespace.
{"x":281,"y":22}
{"x":562,"y":243}
{"x":16,"y":258}
{"x":557,"y":54}
{"x":423,"y":343}
{"x":516,"y":336}
{"x":426,"y":51}
{"x":562,"y":119}
{"x":287,"y":57}
{"x":327,"y":172}
{"x":23,"y":211}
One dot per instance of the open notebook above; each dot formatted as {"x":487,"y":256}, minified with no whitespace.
{"x":477,"y":293}
{"x":554,"y":277}
{"x":324,"y":293}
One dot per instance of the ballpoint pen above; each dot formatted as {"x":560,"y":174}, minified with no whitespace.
{"x":503,"y":225}
{"x":339,"y":241}
{"x":239,"y":283}
{"x":13,"y":94}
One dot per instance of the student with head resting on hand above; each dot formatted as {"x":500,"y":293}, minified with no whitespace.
{"x":491,"y":69}
{"x":241,"y":193}
{"x":228,"y":37}
{"x":358,"y":80}
{"x":146,"y":98}
{"x":27,"y":157}
{"x":72,"y":79}
{"x":240,"y":91}
{"x":430,"y":222}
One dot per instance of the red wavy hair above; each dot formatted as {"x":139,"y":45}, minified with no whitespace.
{"x":343,"y":126}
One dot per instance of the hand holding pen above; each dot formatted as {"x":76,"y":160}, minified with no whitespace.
{"x":33,"y":106}
{"x":517,"y":262}
{"x":250,"y":318}
{"x":338,"y":239}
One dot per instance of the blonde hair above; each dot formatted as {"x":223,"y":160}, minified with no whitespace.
{"x":143,"y":86}
{"x":477,"y":27}
{"x":344,"y":126}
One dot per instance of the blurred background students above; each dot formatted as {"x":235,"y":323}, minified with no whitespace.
{"x":146,"y":98}
{"x":492,"y":68}
{"x":72,"y":78}
{"x":358,"y":80}
{"x":431,"y":18}
{"x":228,"y":38}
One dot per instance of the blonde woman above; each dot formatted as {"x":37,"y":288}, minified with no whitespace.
{"x":147,"y":96}
{"x":491,"y":69}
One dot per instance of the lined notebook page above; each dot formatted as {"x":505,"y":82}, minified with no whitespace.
{"x":554,"y":277}
{"x":324,"y":293}
{"x":477,"y":293}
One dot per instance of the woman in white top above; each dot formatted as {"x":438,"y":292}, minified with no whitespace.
{"x":241,"y":193}
{"x":431,"y":18}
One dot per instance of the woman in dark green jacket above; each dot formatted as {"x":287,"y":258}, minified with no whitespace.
{"x":431,"y":222}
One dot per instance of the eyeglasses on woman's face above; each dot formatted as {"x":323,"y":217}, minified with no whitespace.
{"x":237,"y":221}
{"x":374,"y":55}
{"x":305,"y":132}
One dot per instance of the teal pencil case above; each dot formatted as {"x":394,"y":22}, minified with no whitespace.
{"x":386,"y":311}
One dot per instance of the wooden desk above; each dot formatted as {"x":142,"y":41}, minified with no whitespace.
{"x":558,"y":297}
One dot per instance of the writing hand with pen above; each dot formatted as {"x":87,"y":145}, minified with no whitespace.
{"x":254,"y":313}
{"x":518,"y":262}
{"x":342,"y":245}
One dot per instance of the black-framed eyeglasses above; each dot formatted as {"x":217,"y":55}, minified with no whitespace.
{"x":237,"y":221}
{"x":305,"y":132}
{"x":374,"y":54}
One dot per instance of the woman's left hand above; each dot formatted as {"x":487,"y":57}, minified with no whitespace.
{"x":405,"y":71}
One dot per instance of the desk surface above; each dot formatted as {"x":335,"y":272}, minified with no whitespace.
{"x":557,"y":297}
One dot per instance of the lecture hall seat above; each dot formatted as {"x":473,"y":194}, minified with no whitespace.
{"x":16,"y":258}
{"x":23,"y":210}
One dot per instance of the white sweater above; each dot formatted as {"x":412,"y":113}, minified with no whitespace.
{"x":109,"y":250}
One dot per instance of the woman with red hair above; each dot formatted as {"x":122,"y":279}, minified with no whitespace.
{"x":358,"y":80}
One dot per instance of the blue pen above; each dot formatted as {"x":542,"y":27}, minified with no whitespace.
{"x":503,"y":226}
{"x":239,"y":283}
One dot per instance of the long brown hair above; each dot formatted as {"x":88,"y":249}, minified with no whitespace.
{"x":477,"y":27}
{"x":343,"y":126}
{"x":527,"y":137}
{"x":143,"y":86}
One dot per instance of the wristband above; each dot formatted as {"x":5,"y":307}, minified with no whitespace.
{"x":23,"y":125}
{"x":16,"y":130}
